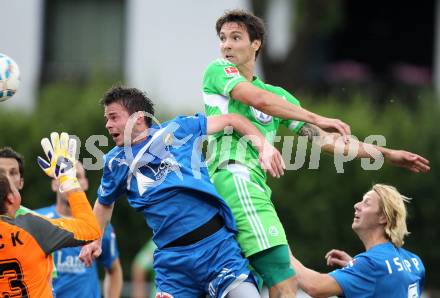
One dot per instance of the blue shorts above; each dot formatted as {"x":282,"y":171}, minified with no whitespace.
{"x":211,"y":266}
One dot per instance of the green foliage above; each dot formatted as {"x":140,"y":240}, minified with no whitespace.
{"x":315,"y":205}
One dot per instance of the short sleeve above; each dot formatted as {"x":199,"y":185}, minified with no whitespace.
{"x":356,"y":278}
{"x":110,"y":250}
{"x":220,"y":77}
{"x":195,"y":125}
{"x":292,"y":125}
{"x":113,"y":181}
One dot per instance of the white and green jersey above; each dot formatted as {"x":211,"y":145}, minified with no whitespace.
{"x":220,"y":77}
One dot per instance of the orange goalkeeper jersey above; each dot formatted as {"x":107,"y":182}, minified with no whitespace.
{"x":26,"y":244}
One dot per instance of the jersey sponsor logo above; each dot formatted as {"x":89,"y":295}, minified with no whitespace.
{"x":261,"y":117}
{"x":154,"y":174}
{"x":231,"y":71}
{"x":155,"y":161}
{"x":70,"y":263}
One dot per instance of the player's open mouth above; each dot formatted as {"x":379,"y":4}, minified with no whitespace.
{"x":114,"y":135}
{"x":229,"y":57}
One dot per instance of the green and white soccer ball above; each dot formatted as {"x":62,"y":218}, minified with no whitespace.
{"x":9,"y":77}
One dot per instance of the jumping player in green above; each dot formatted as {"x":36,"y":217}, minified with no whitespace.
{"x":230,"y":86}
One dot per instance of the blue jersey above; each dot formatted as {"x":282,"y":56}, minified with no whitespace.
{"x":165,"y":178}
{"x":382,"y":271}
{"x":74,"y":278}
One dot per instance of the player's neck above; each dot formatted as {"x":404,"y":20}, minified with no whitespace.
{"x":372,"y":238}
{"x":247,"y":70}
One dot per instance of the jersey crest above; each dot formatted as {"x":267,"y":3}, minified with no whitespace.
{"x":261,"y":117}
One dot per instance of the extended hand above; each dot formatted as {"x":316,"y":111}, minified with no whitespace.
{"x":411,"y":161}
{"x":90,"y":252}
{"x":334,"y":125}
{"x":271,"y":160}
{"x":337,"y":257}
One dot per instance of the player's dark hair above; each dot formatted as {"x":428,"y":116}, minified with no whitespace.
{"x":253,"y":24}
{"x":8,"y":152}
{"x":5,"y":189}
{"x":132,"y":99}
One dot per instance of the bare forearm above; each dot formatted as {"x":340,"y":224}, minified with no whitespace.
{"x":245,"y":128}
{"x":272,"y":104}
{"x":103,"y":214}
{"x":333,"y":143}
{"x":314,"y":283}
{"x":282,"y":109}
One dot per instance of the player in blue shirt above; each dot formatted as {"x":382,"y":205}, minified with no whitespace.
{"x":74,"y":278}
{"x":385,"y":269}
{"x":161,"y":170}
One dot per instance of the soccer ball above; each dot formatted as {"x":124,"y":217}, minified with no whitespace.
{"x":9,"y":77}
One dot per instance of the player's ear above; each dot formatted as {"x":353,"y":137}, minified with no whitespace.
{"x":256,"y":44}
{"x":9,"y":198}
{"x":383,"y":219}
{"x":140,"y":118}
{"x":21,"y":184}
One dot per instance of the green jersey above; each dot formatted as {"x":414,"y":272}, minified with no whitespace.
{"x":220,"y":77}
{"x":24,"y":210}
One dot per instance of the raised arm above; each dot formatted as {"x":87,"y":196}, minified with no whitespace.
{"x":82,"y":227}
{"x":332,"y":142}
{"x":275,"y":105}
{"x":269,"y":157}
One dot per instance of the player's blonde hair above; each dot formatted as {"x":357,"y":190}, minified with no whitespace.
{"x":392,"y":204}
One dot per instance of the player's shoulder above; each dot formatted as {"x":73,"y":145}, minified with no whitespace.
{"x":409,"y":254}
{"x":222,"y":65}
{"x":115,"y":153}
{"x":195,"y":117}
{"x":364,"y":260}
{"x":220,"y":62}
{"x":190,"y":123}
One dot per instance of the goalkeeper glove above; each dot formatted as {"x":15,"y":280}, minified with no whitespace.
{"x":61,"y":164}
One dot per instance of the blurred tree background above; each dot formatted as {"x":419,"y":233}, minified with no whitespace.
{"x":349,"y":60}
{"x":315,"y":205}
